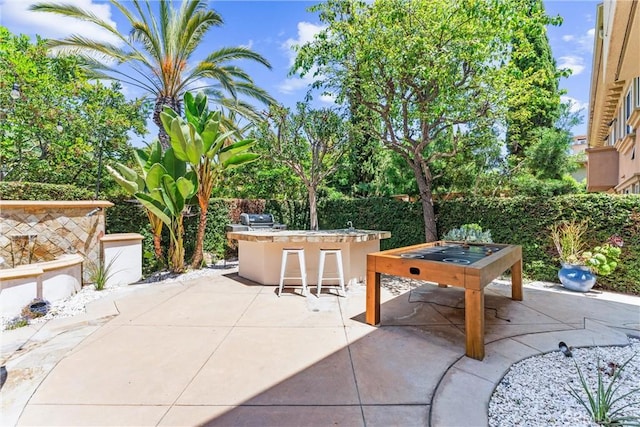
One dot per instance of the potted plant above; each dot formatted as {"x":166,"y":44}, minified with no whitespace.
{"x":469,"y":233}
{"x":581,"y":265}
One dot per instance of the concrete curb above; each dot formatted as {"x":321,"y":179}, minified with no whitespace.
{"x":473,"y":381}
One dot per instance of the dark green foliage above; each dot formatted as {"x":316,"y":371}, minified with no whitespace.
{"x":518,"y":220}
{"x":293,"y":213}
{"x":215,"y":240}
{"x":534,"y":99}
{"x":402,"y":219}
{"x":528,"y":185}
{"x":40,"y":191}
{"x":525,"y":221}
{"x":127,"y":216}
{"x":61,"y":124}
{"x":549,"y":157}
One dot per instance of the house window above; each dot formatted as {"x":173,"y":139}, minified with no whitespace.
{"x":613,"y":132}
{"x":636,"y":90}
{"x":627,"y":110}
{"x":620,"y":123}
{"x":637,"y":188}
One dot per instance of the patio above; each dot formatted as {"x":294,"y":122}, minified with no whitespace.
{"x":220,"y":350}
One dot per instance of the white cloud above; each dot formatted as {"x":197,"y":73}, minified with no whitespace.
{"x":306,"y":33}
{"x":584,"y":42}
{"x":572,"y":62}
{"x":328,"y":98}
{"x":294,"y":84}
{"x":248,"y":45}
{"x":575,"y":105}
{"x":19,"y":19}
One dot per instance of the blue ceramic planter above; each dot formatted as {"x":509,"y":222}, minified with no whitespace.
{"x":576,"y":277}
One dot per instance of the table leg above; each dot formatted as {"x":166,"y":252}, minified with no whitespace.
{"x":474,"y":323}
{"x":372,"y":315}
{"x":516,"y":281}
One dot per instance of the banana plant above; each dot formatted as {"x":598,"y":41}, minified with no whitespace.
{"x":163,"y":189}
{"x":202,"y":141}
{"x":134,"y":182}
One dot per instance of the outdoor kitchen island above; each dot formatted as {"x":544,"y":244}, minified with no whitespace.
{"x":260,"y":252}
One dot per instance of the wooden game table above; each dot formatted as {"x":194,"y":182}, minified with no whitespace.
{"x":473,"y":277}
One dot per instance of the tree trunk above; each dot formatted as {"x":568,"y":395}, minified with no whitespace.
{"x":176,"y":250}
{"x":196,"y":259}
{"x":206,"y":178}
{"x":313,"y":209}
{"x":428,"y":213}
{"x":161,"y":102}
{"x":157,"y":247}
{"x":156,"y":230}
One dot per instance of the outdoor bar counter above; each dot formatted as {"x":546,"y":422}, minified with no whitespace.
{"x":260,"y":252}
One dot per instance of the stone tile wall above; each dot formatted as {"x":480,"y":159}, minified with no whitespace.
{"x":41,"y":231}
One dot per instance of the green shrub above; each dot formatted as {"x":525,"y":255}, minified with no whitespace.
{"x":525,"y":221}
{"x":519,"y":220}
{"x":10,"y":190}
{"x":602,"y":404}
{"x":469,"y":233}
{"x":17,"y":322}
{"x":402,"y":219}
{"x":100,"y":273}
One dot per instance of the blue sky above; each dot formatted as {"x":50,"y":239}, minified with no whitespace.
{"x":272,"y":27}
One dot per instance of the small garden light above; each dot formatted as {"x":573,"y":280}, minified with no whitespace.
{"x":15,"y":92}
{"x":59,"y":128}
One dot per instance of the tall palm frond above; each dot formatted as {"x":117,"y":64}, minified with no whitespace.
{"x":158,"y":49}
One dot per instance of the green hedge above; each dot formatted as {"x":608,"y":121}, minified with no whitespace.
{"x":127,"y":216}
{"x":10,"y":190}
{"x":518,"y":220}
{"x":525,"y":221}
{"x":402,"y":219}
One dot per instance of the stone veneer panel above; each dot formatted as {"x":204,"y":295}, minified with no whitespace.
{"x":44,"y":230}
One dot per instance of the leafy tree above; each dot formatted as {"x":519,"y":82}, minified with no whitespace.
{"x":549,"y":157}
{"x":310,"y":142}
{"x":158,"y":50}
{"x":534,"y":99}
{"x":478,"y":158}
{"x":424,"y":68}
{"x":201,"y":142}
{"x":548,"y":162}
{"x":364,"y":149}
{"x":60,"y":123}
{"x":262,"y":179}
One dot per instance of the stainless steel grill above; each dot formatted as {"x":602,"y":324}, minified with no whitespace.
{"x":256,"y":222}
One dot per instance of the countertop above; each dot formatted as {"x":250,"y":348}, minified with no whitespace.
{"x":334,"y":236}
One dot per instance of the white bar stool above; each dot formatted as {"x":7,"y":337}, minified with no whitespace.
{"x":338,"y":254}
{"x":303,"y":269}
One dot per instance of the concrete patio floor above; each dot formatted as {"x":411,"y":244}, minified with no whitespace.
{"x":221,"y":350}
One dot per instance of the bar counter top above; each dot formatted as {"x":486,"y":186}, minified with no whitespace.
{"x":311,"y":236}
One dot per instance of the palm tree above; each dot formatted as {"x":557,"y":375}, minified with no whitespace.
{"x":158,"y":50}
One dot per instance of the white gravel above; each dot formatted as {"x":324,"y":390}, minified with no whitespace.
{"x":535,"y":391}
